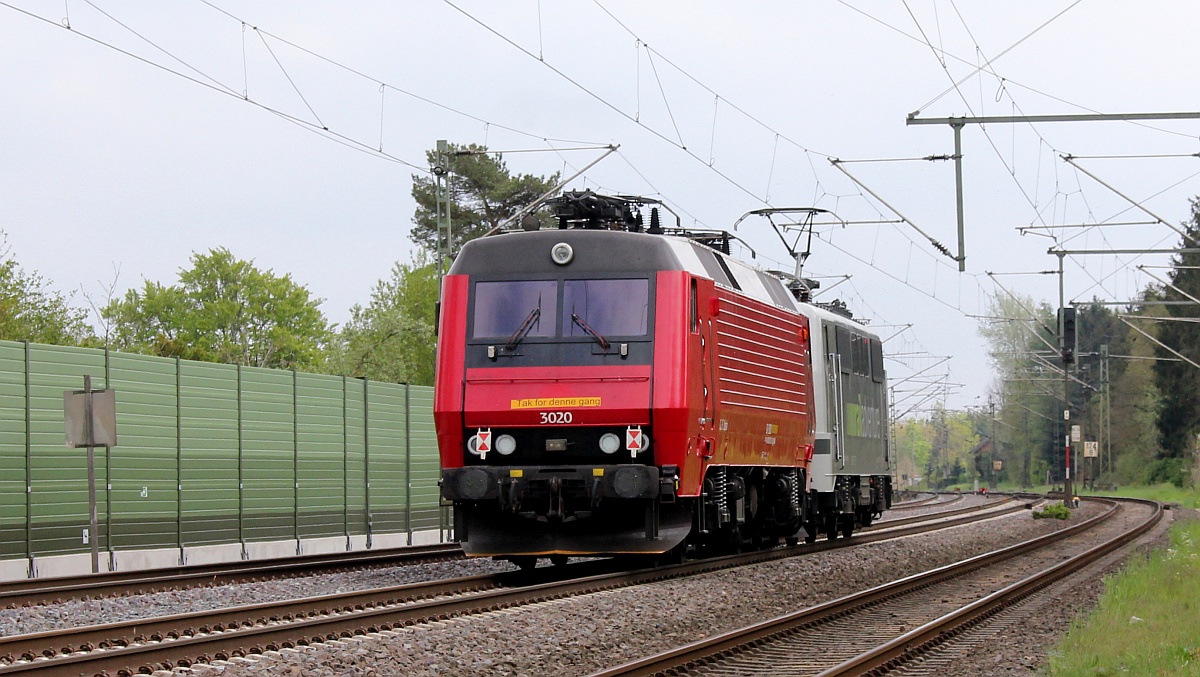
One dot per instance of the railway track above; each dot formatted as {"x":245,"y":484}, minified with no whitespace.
{"x":148,"y":644}
{"x":119,"y":583}
{"x":881,"y":629}
{"x":934,"y":501}
{"x":92,"y":586}
{"x":920,"y":500}
{"x":888,"y":522}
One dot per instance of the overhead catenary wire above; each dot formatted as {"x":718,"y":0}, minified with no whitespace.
{"x":1099,"y":282}
{"x":999,"y":56}
{"x":1070,"y":160}
{"x":643,"y":44}
{"x":1006,"y":81}
{"x":932,"y":241}
{"x":1171,"y":286}
{"x":1162,"y":345}
{"x":291,"y":81}
{"x":222,"y":89}
{"x":1032,"y":202}
{"x":605,"y":102}
{"x":399,"y":90}
{"x":1148,"y":156}
{"x":205,"y":80}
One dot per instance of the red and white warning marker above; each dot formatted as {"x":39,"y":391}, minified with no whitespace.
{"x":634,"y":440}
{"x":484,"y":442}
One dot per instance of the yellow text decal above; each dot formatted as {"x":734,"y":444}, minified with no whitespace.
{"x":554,"y":402}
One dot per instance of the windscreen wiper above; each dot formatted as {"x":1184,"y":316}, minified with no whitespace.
{"x":592,"y":332}
{"x":527,"y":326}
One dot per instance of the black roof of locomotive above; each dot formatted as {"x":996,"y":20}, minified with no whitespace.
{"x":596,"y":252}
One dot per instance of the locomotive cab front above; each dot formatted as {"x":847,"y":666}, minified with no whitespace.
{"x":544,"y":397}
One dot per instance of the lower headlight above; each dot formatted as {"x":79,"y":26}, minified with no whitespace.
{"x":506,"y":444}
{"x":473,"y":445}
{"x":609,"y":443}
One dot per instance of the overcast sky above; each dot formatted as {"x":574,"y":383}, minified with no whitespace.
{"x":111,"y":162}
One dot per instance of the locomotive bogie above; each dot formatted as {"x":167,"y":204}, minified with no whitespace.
{"x":750,"y":507}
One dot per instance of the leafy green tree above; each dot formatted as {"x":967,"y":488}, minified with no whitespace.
{"x":483,"y":193}
{"x":223,"y":310}
{"x":392,"y":338}
{"x":913,"y":447}
{"x":1179,"y":382}
{"x":938,"y":448}
{"x":31,"y":311}
{"x":1023,"y":351}
{"x":1135,"y":402}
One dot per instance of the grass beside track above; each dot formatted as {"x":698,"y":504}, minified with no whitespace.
{"x":1167,"y":493}
{"x":1148,"y":621}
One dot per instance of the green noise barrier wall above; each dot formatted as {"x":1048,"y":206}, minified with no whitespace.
{"x":209,"y":454}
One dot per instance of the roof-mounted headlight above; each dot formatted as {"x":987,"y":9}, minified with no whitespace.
{"x":562,"y":253}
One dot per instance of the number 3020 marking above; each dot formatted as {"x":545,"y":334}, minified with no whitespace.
{"x":549,"y":417}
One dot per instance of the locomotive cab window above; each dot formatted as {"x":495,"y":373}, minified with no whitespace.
{"x":610,"y":307}
{"x":506,"y":307}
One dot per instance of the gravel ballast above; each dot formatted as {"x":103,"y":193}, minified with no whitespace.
{"x":581,"y":635}
{"x":115,"y":609}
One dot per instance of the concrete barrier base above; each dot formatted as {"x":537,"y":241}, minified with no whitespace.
{"x":14,"y":569}
{"x":323,"y":546}
{"x":135,"y":560}
{"x":78,"y":564}
{"x":212,"y":554}
{"x":272,"y":549}
{"x":68,"y":565}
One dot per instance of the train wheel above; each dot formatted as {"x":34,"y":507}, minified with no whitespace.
{"x":736,"y":541}
{"x":831,"y":527}
{"x":810,"y":532}
{"x":558,"y":560}
{"x":525,"y":562}
{"x":847,"y":524}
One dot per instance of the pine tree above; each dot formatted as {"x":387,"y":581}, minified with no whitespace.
{"x":1179,"y":382}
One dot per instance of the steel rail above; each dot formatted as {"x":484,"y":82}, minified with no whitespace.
{"x":941,"y":514}
{"x":713,"y":649}
{"x":917,"y":641}
{"x":46,"y":590}
{"x":915,"y":503}
{"x":936,"y":500}
{"x":169,"y":641}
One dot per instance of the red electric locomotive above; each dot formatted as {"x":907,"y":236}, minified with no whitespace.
{"x":608,"y":388}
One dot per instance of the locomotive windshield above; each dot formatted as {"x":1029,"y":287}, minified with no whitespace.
{"x":504,"y":309}
{"x":608,"y":307}
{"x":595,"y":308}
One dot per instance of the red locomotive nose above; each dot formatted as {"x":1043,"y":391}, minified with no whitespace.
{"x":541,"y":396}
